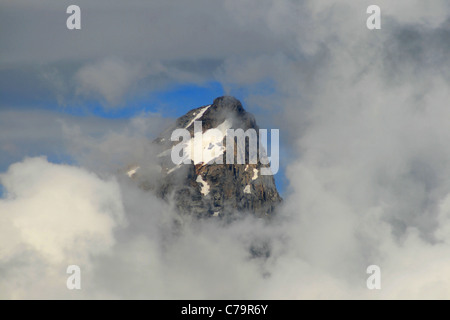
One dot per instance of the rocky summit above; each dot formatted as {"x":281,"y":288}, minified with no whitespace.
{"x":205,"y":188}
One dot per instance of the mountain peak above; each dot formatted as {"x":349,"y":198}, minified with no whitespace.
{"x":207,"y":188}
{"x":228,"y":103}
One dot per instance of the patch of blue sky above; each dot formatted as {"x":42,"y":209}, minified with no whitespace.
{"x":172,"y":102}
{"x":280,"y":177}
{"x":179,"y":99}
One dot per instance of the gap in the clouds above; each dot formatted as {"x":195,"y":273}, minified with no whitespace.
{"x":2,"y":191}
{"x":172,"y":102}
{"x":279,"y":176}
{"x":281,"y":180}
{"x":180,"y":99}
{"x":61,"y":158}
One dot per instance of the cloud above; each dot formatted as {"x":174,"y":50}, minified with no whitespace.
{"x":122,"y":49}
{"x":79,"y":215}
{"x":113,"y":81}
{"x":109,"y":79}
{"x":41,"y":132}
{"x":53,"y":214}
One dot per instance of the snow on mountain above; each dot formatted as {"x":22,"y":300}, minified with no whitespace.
{"x":205,"y":185}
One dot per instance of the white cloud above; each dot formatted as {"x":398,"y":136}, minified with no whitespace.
{"x":59,"y":211}
{"x":53,"y":216}
{"x":110,"y":79}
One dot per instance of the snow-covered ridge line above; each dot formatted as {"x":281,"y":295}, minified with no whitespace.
{"x":198,"y":116}
{"x":214,"y":148}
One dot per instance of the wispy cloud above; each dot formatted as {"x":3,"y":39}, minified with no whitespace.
{"x":109,"y":80}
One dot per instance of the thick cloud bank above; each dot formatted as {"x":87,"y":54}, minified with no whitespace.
{"x":53,"y":214}
{"x":129,"y":244}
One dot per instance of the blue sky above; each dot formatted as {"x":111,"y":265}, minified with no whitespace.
{"x":171,"y":102}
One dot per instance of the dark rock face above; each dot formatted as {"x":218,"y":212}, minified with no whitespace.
{"x":218,"y":190}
